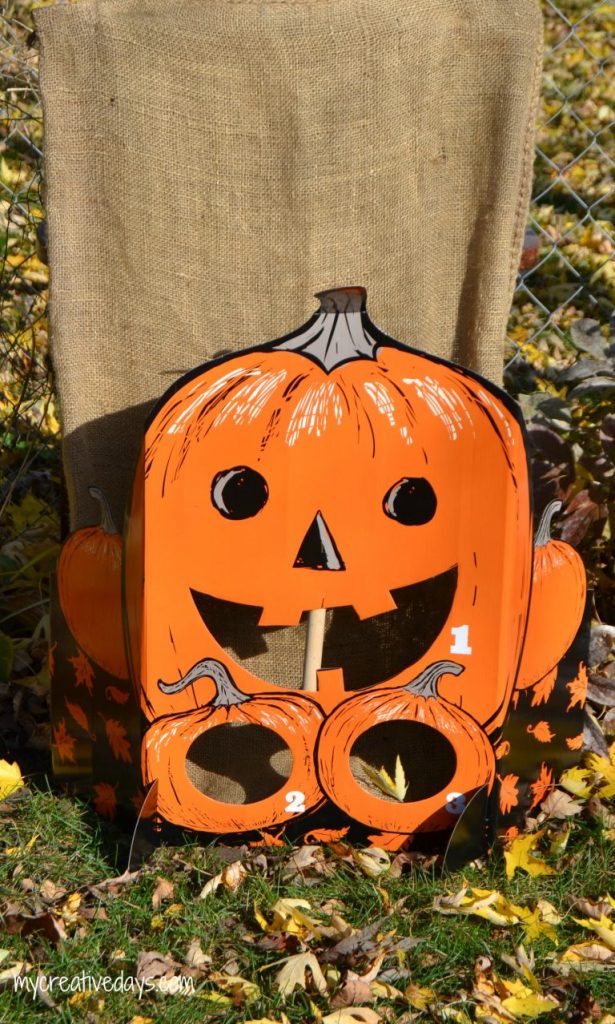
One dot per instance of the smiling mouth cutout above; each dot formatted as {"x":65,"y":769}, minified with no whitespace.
{"x":369,"y":651}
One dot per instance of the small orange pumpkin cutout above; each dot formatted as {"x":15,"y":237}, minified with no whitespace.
{"x":556,"y":604}
{"x":453,"y":776}
{"x":89,"y":578}
{"x":336,"y":469}
{"x":195,"y":757}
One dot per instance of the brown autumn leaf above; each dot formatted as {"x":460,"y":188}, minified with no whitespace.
{"x":164,"y":890}
{"x":195,"y":957}
{"x":51,"y":926}
{"x":229,"y":878}
{"x":558,"y":804}
{"x":352,"y":1015}
{"x":152,"y":964}
{"x":51,"y":892}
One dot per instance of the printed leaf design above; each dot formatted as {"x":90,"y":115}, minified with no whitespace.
{"x":542,"y":690}
{"x":509,"y":793}
{"x":578,"y":689}
{"x":575,"y":742}
{"x":397,"y":787}
{"x":502,"y":750}
{"x":51,"y":657}
{"x":269,"y":839}
{"x":105,"y":800}
{"x":541,"y":732}
{"x":389,"y":840}
{"x":326,"y":835}
{"x":64,"y":742}
{"x":117,"y":736}
{"x":79,"y":716}
{"x":541,"y":787}
{"x":84,"y":673}
{"x":119,"y":696}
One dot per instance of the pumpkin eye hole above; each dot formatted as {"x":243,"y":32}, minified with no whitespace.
{"x":411,"y":501}
{"x":239,"y":493}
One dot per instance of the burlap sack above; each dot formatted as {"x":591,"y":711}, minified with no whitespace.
{"x":211,"y":164}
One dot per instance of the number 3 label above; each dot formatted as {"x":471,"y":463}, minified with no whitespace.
{"x":455,"y":803}
{"x":295,"y":802}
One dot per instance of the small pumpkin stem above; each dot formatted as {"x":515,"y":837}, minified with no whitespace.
{"x":543,"y":533}
{"x":106,"y":519}
{"x":426,"y":684}
{"x":227,"y":693}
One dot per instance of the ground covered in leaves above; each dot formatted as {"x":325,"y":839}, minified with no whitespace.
{"x":331,"y":933}
{"x":309,"y":933}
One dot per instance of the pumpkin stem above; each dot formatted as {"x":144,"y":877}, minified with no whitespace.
{"x":543,"y":533}
{"x":226,"y":691}
{"x":426,"y":684}
{"x":342,"y":300}
{"x":106,"y":519}
{"x":339,"y":333}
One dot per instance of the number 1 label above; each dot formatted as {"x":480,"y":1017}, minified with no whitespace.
{"x":460,"y":644}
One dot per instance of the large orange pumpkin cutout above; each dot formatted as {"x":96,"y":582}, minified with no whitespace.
{"x":334,"y":469}
{"x":381,"y":494}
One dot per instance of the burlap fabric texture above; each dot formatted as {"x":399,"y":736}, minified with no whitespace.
{"x":210,"y":164}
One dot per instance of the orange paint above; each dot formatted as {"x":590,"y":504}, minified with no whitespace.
{"x":90,"y":590}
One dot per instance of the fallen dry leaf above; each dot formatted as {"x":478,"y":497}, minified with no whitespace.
{"x":296,"y":973}
{"x":195,"y":957}
{"x":240,"y":989}
{"x":10,"y":779}
{"x":560,"y":805}
{"x":520,"y":855}
{"x":230,"y":878}
{"x":152,"y":965}
{"x":352,"y":1015}
{"x":164,"y":891}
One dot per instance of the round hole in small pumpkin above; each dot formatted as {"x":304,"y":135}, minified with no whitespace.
{"x":238,"y":763}
{"x":427,"y":757}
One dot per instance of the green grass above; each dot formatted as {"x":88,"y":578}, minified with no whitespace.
{"x":74,"y":849}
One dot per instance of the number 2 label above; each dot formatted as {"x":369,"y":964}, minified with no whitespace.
{"x":295,"y":802}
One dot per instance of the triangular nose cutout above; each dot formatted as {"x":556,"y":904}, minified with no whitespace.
{"x":318,"y":550}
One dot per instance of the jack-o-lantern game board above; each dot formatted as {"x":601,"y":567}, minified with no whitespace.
{"x":339,"y":491}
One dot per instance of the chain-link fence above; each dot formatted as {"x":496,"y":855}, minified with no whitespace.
{"x":568,"y":265}
{"x":568,"y":268}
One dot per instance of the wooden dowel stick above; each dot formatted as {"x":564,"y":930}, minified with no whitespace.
{"x":313,"y":648}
